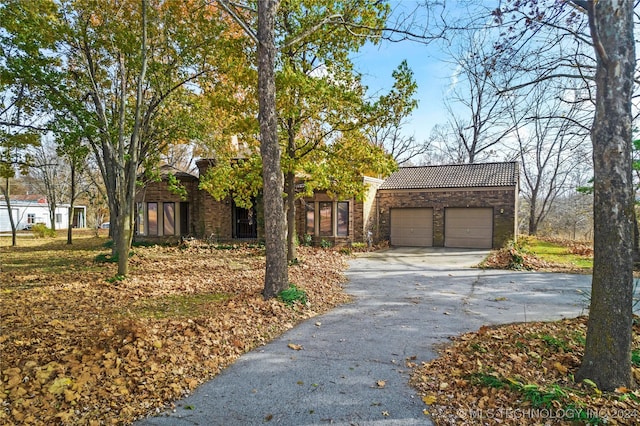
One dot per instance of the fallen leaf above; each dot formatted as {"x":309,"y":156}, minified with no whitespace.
{"x":429,"y":399}
{"x":561,"y":368}
{"x":515,"y":358}
{"x":385,"y":413}
{"x":295,"y":347}
{"x":59,"y":385}
{"x":381,"y":383}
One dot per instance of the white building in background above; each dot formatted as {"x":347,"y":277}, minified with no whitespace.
{"x":27,"y":210}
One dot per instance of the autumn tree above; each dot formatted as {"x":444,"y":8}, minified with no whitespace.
{"x":321,"y":99}
{"x":46,"y":174}
{"x":387,"y":130}
{"x":322,"y":107}
{"x":608,"y":28}
{"x":14,"y":157}
{"x":276,"y":272}
{"x":607,"y":358}
{"x":131,"y":74}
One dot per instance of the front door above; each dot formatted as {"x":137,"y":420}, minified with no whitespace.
{"x":244,"y":223}
{"x":184,"y":218}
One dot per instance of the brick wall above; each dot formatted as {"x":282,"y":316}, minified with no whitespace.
{"x":214,"y":218}
{"x":502,"y":200}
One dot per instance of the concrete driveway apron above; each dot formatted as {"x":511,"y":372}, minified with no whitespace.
{"x":353,"y":368}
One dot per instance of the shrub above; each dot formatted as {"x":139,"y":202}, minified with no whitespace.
{"x":40,"y":230}
{"x":345,"y":250}
{"x":292,"y":295}
{"x":325,"y":244}
{"x":306,"y":240}
{"x":517,"y":252}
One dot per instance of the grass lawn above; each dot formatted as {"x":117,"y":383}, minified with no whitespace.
{"x":80,"y":347}
{"x":531,"y":253}
{"x":573,"y":255}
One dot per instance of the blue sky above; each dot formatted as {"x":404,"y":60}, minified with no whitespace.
{"x":431,"y":72}
{"x":429,"y":63}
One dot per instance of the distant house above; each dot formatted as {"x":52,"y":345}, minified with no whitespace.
{"x":467,"y":205}
{"x":27,"y":210}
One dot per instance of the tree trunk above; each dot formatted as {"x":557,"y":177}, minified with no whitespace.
{"x":290,"y":189}
{"x":7,"y":199}
{"x":52,"y":214}
{"x":607,"y":357}
{"x":533,"y":223}
{"x":276,"y":274}
{"x":123,"y":243}
{"x":72,"y":198}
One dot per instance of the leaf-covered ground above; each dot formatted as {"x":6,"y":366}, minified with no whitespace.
{"x":522,"y":374}
{"x":79,"y":347}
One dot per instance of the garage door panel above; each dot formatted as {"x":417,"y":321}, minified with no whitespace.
{"x":412,"y":227}
{"x":469,"y":227}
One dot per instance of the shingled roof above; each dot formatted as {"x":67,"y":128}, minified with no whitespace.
{"x":454,"y":176}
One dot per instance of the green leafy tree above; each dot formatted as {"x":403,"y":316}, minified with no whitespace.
{"x":132,"y":75}
{"x":322,"y":107}
{"x":24,"y":37}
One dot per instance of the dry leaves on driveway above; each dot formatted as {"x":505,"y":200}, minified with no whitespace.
{"x":77,"y":349}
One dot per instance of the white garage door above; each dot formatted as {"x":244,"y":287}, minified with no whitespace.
{"x":412,"y":227}
{"x":468,"y":228}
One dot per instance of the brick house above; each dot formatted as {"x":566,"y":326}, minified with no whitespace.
{"x":466,"y":205}
{"x":161,"y":213}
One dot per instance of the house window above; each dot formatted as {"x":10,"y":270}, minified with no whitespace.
{"x":326,"y":218}
{"x":169,"y":222}
{"x":343,"y":219}
{"x":152,"y":218}
{"x":58,"y":218}
{"x":140,"y":219}
{"x":31,"y":218}
{"x":311,"y":220}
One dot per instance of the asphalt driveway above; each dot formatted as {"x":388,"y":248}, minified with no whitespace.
{"x":352,"y":369}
